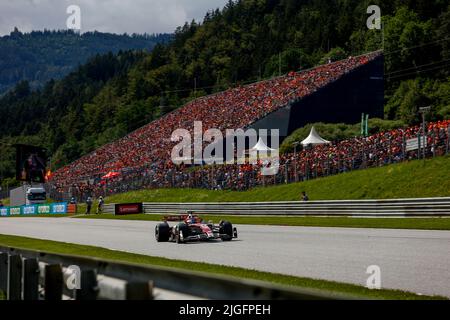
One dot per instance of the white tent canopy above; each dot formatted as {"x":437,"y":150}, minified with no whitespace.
{"x":261,"y":146}
{"x":314,"y":138}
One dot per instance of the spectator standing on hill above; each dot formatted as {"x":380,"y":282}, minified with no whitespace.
{"x":88,"y":205}
{"x":305,"y":196}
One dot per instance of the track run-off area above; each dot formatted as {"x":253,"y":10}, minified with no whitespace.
{"x":410,"y":260}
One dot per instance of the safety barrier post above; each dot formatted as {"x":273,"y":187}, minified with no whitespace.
{"x":30,"y":279}
{"x":3,"y":273}
{"x":14,"y":277}
{"x":53,"y":282}
{"x":88,"y":286}
{"x":139,"y":290}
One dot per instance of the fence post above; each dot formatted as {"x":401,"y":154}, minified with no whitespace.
{"x":307,"y":170}
{"x":30,"y":279}
{"x":433,"y":136}
{"x":403,"y":147}
{"x":139,"y":291}
{"x":286,"y":172}
{"x":53,"y":282}
{"x":447,"y":149}
{"x":14,"y":291}
{"x":418,"y":145}
{"x":390,"y":151}
{"x":89,"y":289}
{"x":3,"y":273}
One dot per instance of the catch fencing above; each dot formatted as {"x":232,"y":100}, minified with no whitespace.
{"x":391,"y":207}
{"x":33,"y":275}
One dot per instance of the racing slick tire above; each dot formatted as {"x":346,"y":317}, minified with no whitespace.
{"x":226,"y":228}
{"x":181,"y":232}
{"x":162,"y":232}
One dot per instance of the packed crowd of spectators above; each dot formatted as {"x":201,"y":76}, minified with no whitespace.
{"x":307,"y":163}
{"x":142,"y":158}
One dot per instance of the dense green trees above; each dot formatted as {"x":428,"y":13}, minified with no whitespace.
{"x":43,"y":55}
{"x":247,"y":40}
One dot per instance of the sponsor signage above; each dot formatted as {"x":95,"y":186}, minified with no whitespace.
{"x":53,"y":208}
{"x":43,"y":209}
{"x":413,"y":144}
{"x":59,"y":208}
{"x":14,"y":211}
{"x":29,"y":209}
{"x":72,"y":208}
{"x":128,"y":208}
{"x":4,"y":212}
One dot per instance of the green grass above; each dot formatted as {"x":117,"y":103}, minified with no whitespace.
{"x":118,"y":256}
{"x":345,"y":222}
{"x":5,"y":201}
{"x":418,"y":178}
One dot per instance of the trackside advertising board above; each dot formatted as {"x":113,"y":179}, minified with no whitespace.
{"x":128,"y":208}
{"x":52,"y":208}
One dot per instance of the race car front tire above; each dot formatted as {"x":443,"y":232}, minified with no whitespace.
{"x":226,"y":229}
{"x":162,"y":232}
{"x":181,"y":232}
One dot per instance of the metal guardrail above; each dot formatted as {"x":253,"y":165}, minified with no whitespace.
{"x":34,"y":275}
{"x":387,"y":207}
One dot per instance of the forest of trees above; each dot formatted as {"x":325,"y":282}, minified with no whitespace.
{"x":245,"y":41}
{"x":40,"y":56}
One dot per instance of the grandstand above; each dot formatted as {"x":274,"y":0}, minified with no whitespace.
{"x":142,"y":158}
{"x":323,"y":160}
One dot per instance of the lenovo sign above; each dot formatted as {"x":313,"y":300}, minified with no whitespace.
{"x":128,"y":208}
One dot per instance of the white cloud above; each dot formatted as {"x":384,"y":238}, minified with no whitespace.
{"x":116,"y":16}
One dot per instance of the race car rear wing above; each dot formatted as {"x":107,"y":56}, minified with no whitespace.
{"x":178,"y":217}
{"x":175,"y":217}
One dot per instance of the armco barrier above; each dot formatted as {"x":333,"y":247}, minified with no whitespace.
{"x":52,"y":208}
{"x":33,"y":275}
{"x":390,"y":207}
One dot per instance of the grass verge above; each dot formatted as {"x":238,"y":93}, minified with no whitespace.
{"x":90,"y":251}
{"x":344,"y":222}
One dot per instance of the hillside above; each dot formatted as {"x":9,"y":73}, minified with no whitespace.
{"x":430,"y":178}
{"x":40,"y":56}
{"x":245,"y":41}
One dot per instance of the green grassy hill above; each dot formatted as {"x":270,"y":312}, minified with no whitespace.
{"x":430,"y":178}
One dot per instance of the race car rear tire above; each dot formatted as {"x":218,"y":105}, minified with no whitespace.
{"x":226,"y":228}
{"x":162,"y":233}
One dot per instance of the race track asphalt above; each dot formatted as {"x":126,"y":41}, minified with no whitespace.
{"x":412,"y":260}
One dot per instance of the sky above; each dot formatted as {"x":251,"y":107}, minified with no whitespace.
{"x":114,"y":16}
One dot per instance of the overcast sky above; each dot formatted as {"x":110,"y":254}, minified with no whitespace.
{"x":115,"y":16}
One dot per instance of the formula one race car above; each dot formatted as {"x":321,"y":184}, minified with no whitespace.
{"x":192,"y":228}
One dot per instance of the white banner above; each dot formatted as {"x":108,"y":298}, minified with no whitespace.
{"x":413,"y":144}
